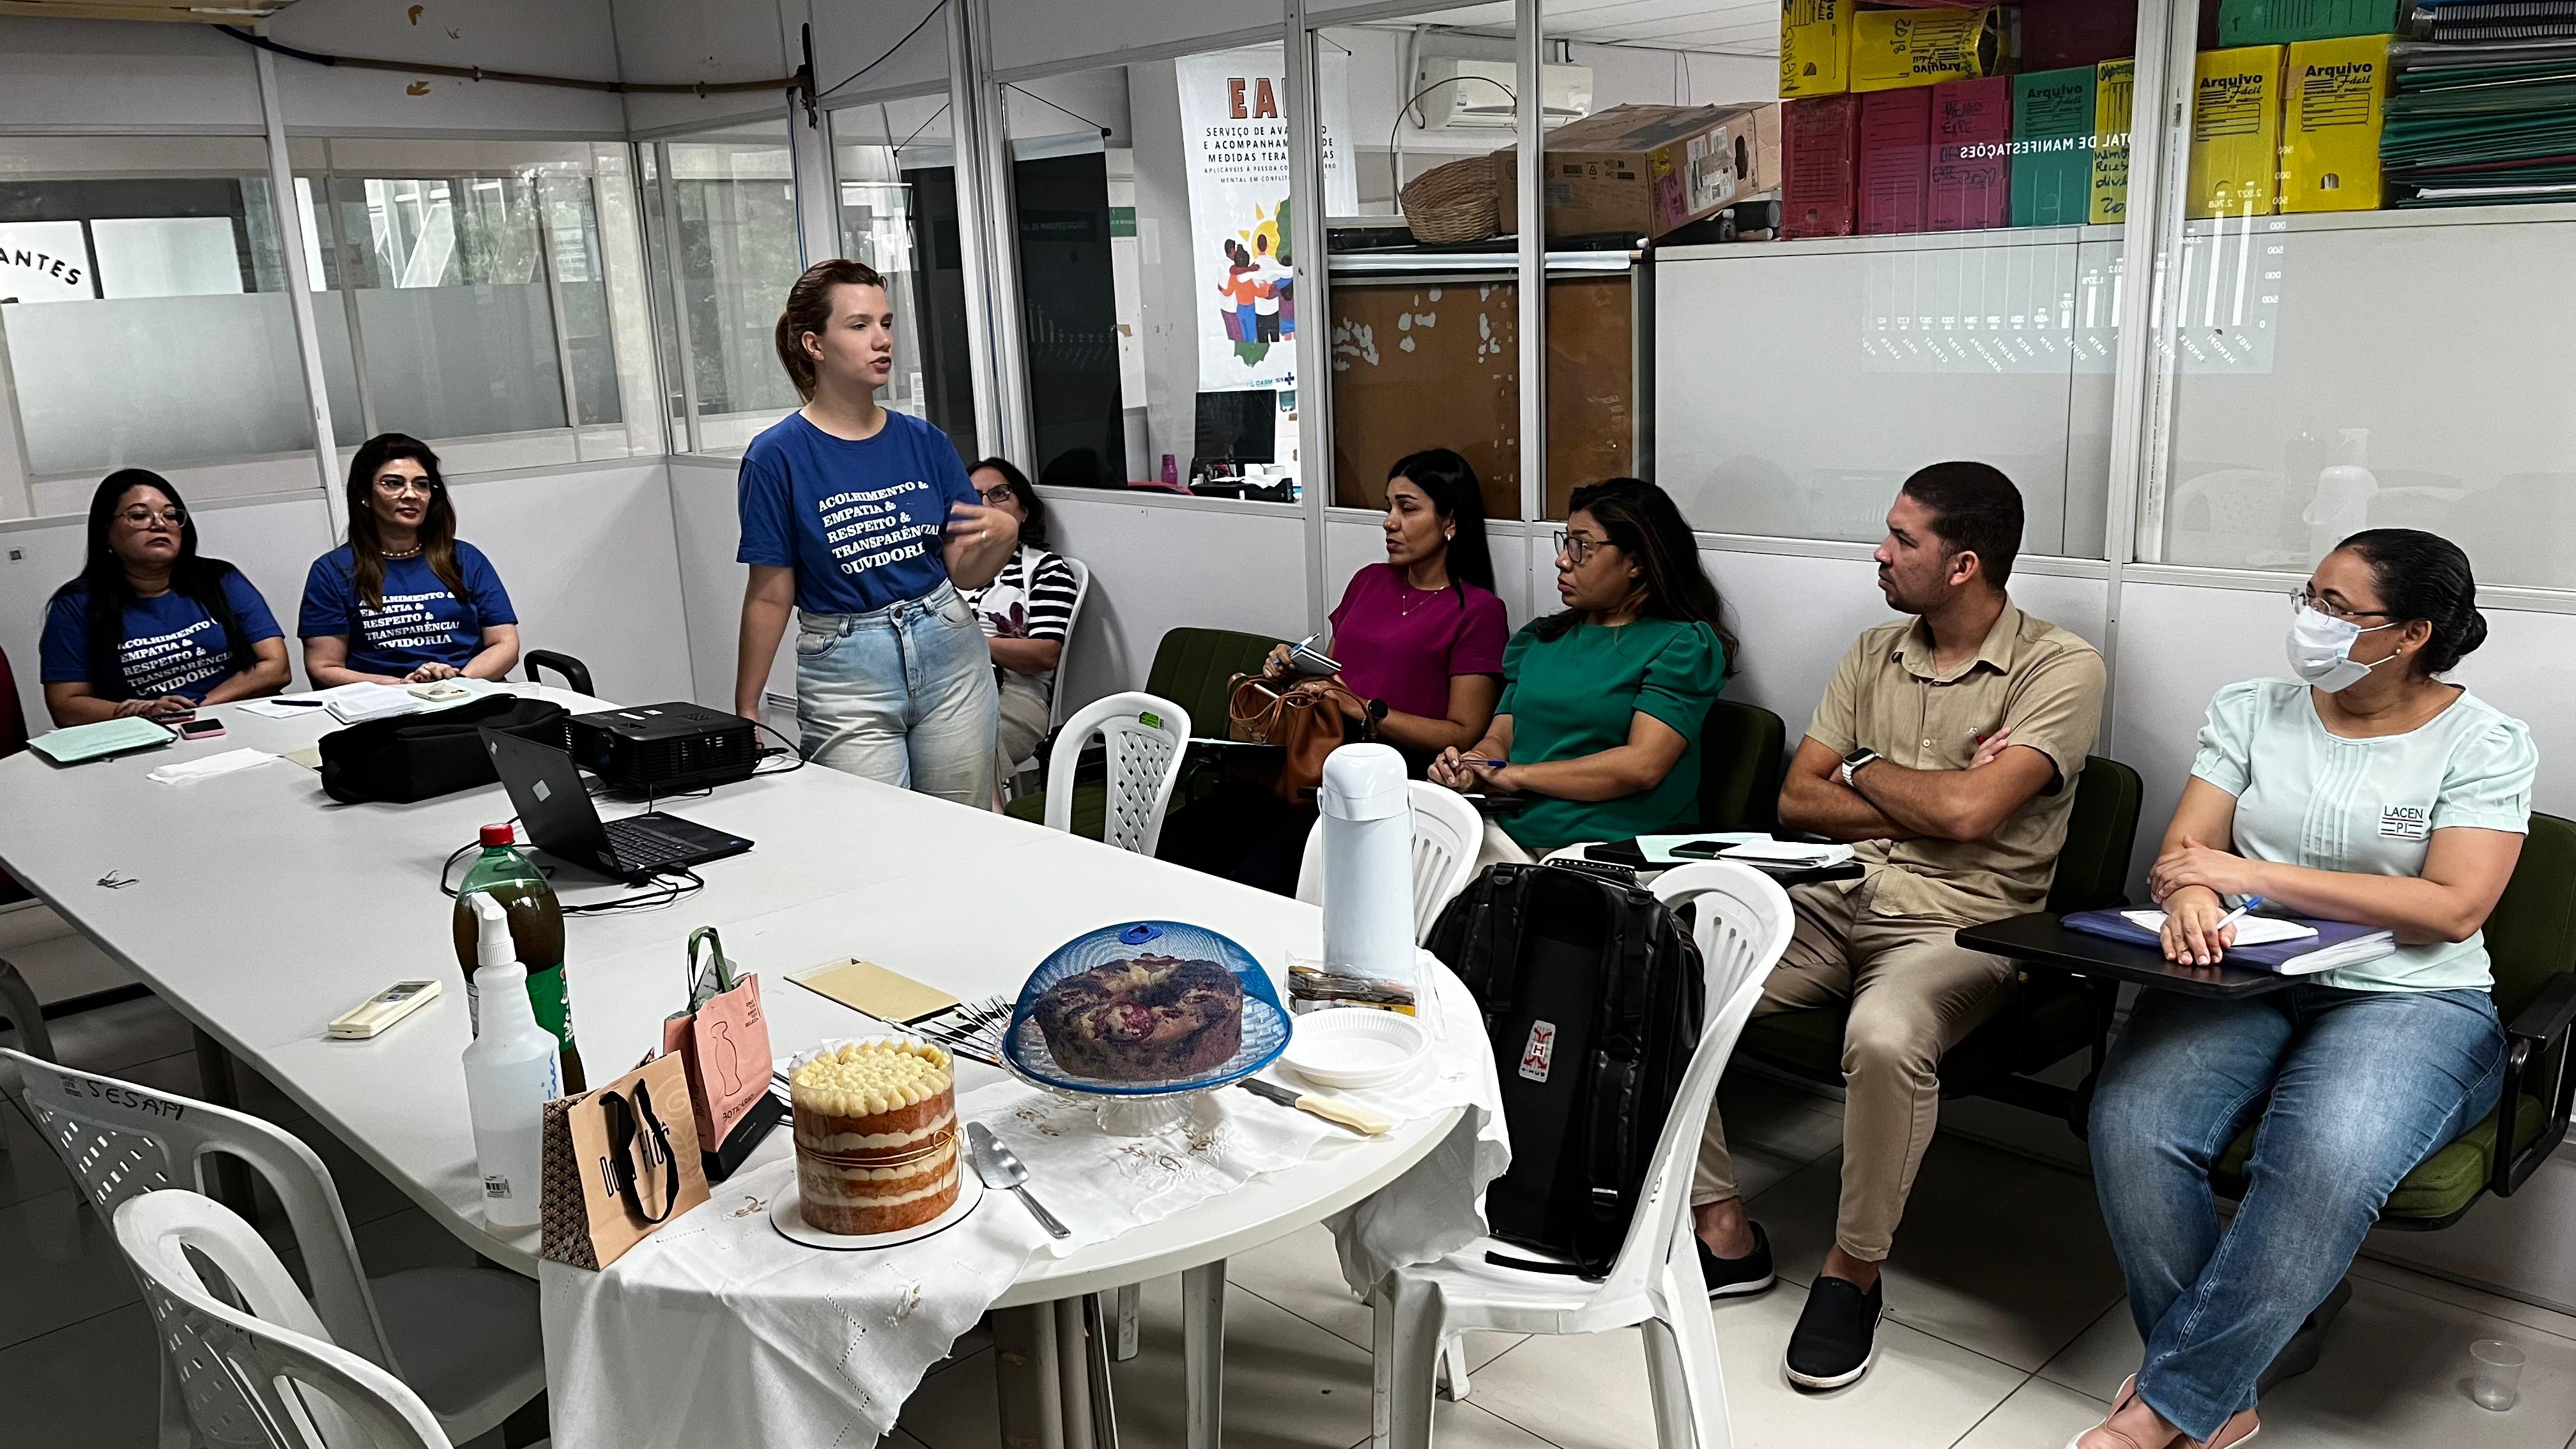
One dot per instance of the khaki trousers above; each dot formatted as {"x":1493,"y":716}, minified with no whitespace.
{"x":1914,"y":993}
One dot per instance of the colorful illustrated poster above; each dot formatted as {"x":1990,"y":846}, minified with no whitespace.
{"x":1234,"y":124}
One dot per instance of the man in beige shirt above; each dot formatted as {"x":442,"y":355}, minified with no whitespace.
{"x":1946,"y":749}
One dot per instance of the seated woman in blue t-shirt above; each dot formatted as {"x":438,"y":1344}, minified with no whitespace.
{"x":863,"y":521}
{"x":404,"y":601}
{"x":149,"y":627}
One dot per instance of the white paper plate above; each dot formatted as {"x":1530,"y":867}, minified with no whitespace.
{"x":787,"y":1214}
{"x":1355,"y":1046}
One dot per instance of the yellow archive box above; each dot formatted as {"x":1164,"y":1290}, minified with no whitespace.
{"x":2334,"y":103}
{"x":1892,"y":49}
{"x":2236,"y":133}
{"x":2114,"y":83}
{"x":1815,"y":47}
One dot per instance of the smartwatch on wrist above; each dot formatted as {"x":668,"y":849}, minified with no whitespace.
{"x":1376,"y":716}
{"x":1853,"y":762}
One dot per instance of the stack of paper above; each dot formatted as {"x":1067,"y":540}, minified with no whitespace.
{"x":2474,"y":124}
{"x":2290,"y":947}
{"x":352,"y":703}
{"x":1788,"y":854}
{"x":181,"y":772}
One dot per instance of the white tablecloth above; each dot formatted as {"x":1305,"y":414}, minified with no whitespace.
{"x":719,"y":1331}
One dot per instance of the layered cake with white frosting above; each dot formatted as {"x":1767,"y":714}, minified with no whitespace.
{"x":876,"y":1136}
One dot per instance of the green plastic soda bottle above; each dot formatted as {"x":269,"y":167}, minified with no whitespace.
{"x":536,"y":933}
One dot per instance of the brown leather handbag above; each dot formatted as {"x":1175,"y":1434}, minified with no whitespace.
{"x":1302,"y":717}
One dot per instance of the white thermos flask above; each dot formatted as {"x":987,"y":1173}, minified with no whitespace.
{"x":1368,"y":864}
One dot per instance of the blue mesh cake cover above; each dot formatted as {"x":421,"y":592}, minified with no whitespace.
{"x":1265,"y":1019}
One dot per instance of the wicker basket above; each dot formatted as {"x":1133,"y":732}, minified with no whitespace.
{"x":1452,"y":203}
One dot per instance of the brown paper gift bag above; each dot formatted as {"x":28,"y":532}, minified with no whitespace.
{"x":619,"y":1162}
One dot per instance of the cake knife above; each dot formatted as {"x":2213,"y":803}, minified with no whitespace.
{"x":1332,"y":1109}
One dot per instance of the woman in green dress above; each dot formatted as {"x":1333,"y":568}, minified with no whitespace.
{"x":1603,"y":703}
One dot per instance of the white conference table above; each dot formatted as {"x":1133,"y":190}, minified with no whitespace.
{"x":260,"y":909}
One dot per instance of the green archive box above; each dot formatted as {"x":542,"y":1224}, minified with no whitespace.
{"x":2052,"y":150}
{"x":2279,"y":22}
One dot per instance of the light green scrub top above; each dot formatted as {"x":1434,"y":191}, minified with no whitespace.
{"x":2368,"y":807}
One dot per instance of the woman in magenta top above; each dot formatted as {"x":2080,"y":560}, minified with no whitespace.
{"x":1420,"y":637}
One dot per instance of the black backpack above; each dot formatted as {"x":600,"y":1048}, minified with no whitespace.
{"x":422,"y":756}
{"x":1592,"y":994}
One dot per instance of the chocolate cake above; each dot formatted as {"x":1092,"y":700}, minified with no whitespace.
{"x":1153,"y":1018}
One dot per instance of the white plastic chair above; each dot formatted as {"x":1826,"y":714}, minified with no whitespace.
{"x":271,"y":1376}
{"x":465,"y":1339}
{"x":1742,"y":928}
{"x":1144,"y":766}
{"x":1012,"y":770}
{"x":1446,"y":834}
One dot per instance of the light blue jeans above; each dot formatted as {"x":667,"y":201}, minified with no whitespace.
{"x":903,"y":694}
{"x":2362,"y":1086}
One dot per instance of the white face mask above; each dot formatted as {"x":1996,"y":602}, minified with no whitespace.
{"x":2321,"y":650}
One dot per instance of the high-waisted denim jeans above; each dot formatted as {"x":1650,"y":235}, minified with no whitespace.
{"x":902,"y":694}
{"x":2362,"y":1086}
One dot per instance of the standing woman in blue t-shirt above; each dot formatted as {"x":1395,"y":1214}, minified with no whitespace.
{"x":864,"y":522}
{"x":149,"y":627}
{"x":404,"y":601}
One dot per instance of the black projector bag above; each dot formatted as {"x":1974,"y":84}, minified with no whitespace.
{"x":423,"y":756}
{"x":1592,"y":994}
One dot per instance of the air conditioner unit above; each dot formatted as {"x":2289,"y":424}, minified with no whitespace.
{"x":1476,"y":95}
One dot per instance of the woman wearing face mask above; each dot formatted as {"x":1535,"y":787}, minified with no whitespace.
{"x":150,"y":627}
{"x":404,"y":601}
{"x":1603,"y":704}
{"x":2366,"y":790}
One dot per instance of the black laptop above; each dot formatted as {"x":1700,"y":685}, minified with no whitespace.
{"x":554,"y":805}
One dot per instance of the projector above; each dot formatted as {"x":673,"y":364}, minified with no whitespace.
{"x":662,"y":747}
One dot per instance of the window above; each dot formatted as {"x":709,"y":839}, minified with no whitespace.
{"x":894,"y":164}
{"x":720,"y":212}
{"x":144,"y":321}
{"x":487,"y":297}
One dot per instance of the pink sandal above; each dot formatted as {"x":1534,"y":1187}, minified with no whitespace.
{"x":2119,"y":1401}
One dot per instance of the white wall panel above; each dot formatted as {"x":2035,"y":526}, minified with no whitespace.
{"x":117,"y":75}
{"x":707,"y":528}
{"x":1042,"y":32}
{"x":1157,"y":567}
{"x":559,"y":37}
{"x":592,"y":567}
{"x":692,"y":40}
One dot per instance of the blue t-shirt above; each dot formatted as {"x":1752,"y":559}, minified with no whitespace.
{"x":421,"y":621}
{"x":861,"y":523}
{"x":168,"y":644}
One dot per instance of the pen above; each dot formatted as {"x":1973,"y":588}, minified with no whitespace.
{"x":298,"y":703}
{"x":2233,"y":916}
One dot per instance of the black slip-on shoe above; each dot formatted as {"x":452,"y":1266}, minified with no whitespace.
{"x":1837,"y":1334}
{"x":1738,"y":1277}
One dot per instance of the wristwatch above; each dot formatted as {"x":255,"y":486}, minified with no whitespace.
{"x":1852,"y":763}
{"x":1376,"y":716}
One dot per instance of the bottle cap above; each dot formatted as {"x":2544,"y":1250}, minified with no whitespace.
{"x":499,"y":835}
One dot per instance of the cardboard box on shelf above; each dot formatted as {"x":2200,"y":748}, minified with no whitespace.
{"x":2114,"y":84}
{"x":1971,"y":183}
{"x":2279,"y":22}
{"x":1895,"y":49}
{"x":1895,"y":160}
{"x":1815,"y":47}
{"x":1646,"y":169}
{"x":2235,"y":161}
{"x":2052,"y":147}
{"x":2334,"y":101}
{"x":1819,"y":162}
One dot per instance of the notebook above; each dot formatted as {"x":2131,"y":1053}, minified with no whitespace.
{"x":2328,"y":946}
{"x":76,"y":743}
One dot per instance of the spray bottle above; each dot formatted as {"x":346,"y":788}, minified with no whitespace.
{"x":512,"y":1069}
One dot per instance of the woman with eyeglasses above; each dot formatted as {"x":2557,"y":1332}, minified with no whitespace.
{"x":1603,"y":703}
{"x":2367,"y":789}
{"x":1026,"y":610}
{"x":404,"y":601}
{"x":150,"y":627}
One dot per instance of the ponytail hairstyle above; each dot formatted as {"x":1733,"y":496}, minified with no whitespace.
{"x":809,"y":309}
{"x":102,"y":578}
{"x":2425,"y":576}
{"x":437,"y":524}
{"x":1643,"y":522}
{"x":1449,"y":481}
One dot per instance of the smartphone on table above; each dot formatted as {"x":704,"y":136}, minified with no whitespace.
{"x":198,"y":727}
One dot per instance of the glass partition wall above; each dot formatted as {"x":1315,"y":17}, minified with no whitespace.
{"x":720,"y":222}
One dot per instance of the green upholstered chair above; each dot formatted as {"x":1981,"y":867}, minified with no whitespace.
{"x":2531,"y":939}
{"x":1740,"y":752}
{"x":1191,"y":667}
{"x":2052,"y":1015}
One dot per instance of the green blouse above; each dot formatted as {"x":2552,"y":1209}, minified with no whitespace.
{"x":1578,"y":695}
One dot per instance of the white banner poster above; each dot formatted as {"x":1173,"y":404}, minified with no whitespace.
{"x":1234,"y":124}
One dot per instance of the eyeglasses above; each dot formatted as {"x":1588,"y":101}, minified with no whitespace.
{"x":174,"y":516}
{"x":2304,"y":597}
{"x":393,"y":486}
{"x":1577,"y":547}
{"x":995,"y":496}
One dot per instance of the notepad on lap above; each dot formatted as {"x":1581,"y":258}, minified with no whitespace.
{"x":2250,"y":930}
{"x":1798,"y":853}
{"x":868,"y":987}
{"x":2328,"y":946}
{"x":76,"y":743}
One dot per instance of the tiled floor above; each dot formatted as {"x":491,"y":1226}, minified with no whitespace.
{"x":2007,"y":1327}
